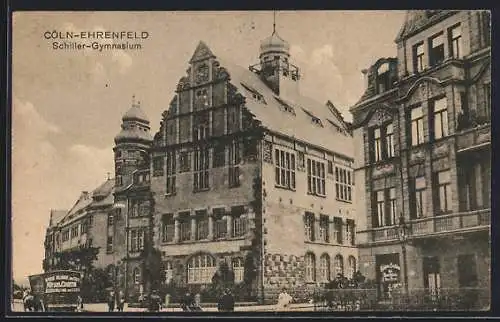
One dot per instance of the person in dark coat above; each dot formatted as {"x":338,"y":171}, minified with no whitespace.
{"x":111,"y":301}
{"x":154,"y":302}
{"x":226,"y":302}
{"x":187,"y":302}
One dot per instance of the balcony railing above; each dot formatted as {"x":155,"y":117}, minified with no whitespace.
{"x":474,"y":137}
{"x":431,"y":225}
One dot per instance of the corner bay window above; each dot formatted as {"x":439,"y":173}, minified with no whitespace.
{"x":436,"y":49}
{"x":416,"y":126}
{"x":315,"y":177}
{"x":417,"y":197}
{"x":418,"y":57}
{"x":284,"y":169}
{"x":136,"y":242}
{"x":455,"y":39}
{"x":439,"y":118}
{"x":201,"y":269}
{"x":442,"y":187}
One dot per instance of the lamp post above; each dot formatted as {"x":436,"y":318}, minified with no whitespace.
{"x":403,"y":238}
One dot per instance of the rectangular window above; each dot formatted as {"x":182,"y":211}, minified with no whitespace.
{"x":168,"y":228}
{"x":315,"y":177}
{"x":201,"y":225}
{"x":284,"y":169}
{"x":201,"y":173}
{"x":351,"y":233}
{"x":442,"y":183}
{"x":436,"y":49}
{"x":417,"y":126}
{"x":455,"y":40}
{"x":109,"y":244}
{"x":184,"y":161}
{"x":157,"y":166}
{"x":392,"y":214}
{"x":377,"y":143}
{"x":343,"y":184}
{"x":220,"y":223}
{"x":323,"y":229}
{"x":330,"y":167}
{"x":239,"y":221}
{"x":418,"y":57}
{"x":219,"y":156}
{"x":439,"y":118}
{"x":65,"y":235}
{"x":337,"y":230}
{"x":234,"y":161}
{"x":184,"y":227}
{"x":417,"y":200}
{"x":309,"y":226}
{"x":110,"y":220}
{"x":389,"y":141}
{"x":171,"y":177}
{"x":380,"y":210}
{"x":136,"y":240}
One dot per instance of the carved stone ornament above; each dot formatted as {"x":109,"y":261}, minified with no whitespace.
{"x":379,"y":117}
{"x":268,"y":152}
{"x":384,"y":169}
{"x":440,"y":149}
{"x":202,"y":74}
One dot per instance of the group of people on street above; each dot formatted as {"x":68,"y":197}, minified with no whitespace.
{"x":116,"y":300}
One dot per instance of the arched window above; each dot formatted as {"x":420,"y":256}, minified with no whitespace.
{"x":310,"y":267}
{"x":238,"y":269}
{"x":324,"y":268}
{"x":339,"y":265}
{"x":137,"y":275}
{"x":352,"y":266}
{"x":201,"y":269}
{"x":169,"y":272}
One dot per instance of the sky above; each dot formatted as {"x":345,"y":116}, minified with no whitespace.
{"x":67,"y":104}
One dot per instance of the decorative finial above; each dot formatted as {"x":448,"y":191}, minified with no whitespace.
{"x":274,"y":22}
{"x":133,"y":100}
{"x":138,"y":103}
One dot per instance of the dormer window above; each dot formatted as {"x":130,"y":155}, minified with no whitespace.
{"x":285,"y":107}
{"x":254,"y":93}
{"x":383,"y":78}
{"x":314,"y":119}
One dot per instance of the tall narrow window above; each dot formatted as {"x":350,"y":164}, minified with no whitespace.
{"x":136,"y":240}
{"x":440,"y":118}
{"x":377,"y":142}
{"x":310,"y":261}
{"x":316,"y":177}
{"x":220,"y":223}
{"x":352,"y":267}
{"x":219,"y":156}
{"x":309,"y":226}
{"x":350,"y":232}
{"x":418,"y":57}
{"x":323,"y":229}
{"x":234,"y":161}
{"x":201,"y":169}
{"x":417,"y":199}
{"x":339,"y":265}
{"x":391,"y":219}
{"x":436,"y":54}
{"x":285,"y":169}
{"x":158,"y":166}
{"x":389,"y":141}
{"x":171,"y":178}
{"x":337,"y":230}
{"x":111,"y":220}
{"x":442,"y":184}
{"x":238,"y":269}
{"x":184,"y":227}
{"x":239,"y":221}
{"x":417,"y":126}
{"x":455,"y":36}
{"x":168,"y":227}
{"x":184,"y":161}
{"x":380,"y":208}
{"x":201,"y":224}
{"x":109,"y":244}
{"x":324,"y":268}
{"x":137,"y":275}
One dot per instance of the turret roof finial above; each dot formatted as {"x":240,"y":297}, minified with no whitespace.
{"x":133,"y":99}
{"x":274,"y":22}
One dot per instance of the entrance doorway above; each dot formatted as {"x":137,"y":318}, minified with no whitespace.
{"x":388,"y":274}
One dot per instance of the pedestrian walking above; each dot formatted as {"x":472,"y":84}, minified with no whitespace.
{"x":120,"y":301}
{"x":79,"y":304}
{"x":226,"y":301}
{"x":154,"y":302}
{"x":284,"y":300}
{"x":111,"y":301}
{"x":186,"y":302}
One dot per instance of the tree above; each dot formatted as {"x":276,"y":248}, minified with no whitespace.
{"x":223,"y":278}
{"x":152,"y":267}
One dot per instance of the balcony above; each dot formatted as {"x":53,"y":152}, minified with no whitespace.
{"x":474,"y":138}
{"x":458,"y":222}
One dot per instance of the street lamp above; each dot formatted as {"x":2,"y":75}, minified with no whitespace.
{"x":403,"y":238}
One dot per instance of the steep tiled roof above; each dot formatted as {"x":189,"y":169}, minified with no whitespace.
{"x":135,"y":133}
{"x":56,"y":216}
{"x":135,"y":113}
{"x":274,"y":118}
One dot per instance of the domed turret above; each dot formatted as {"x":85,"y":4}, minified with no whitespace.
{"x":135,"y":113}
{"x":135,"y":126}
{"x":274,"y":44}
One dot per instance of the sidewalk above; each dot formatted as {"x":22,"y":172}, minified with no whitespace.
{"x":103,"y":307}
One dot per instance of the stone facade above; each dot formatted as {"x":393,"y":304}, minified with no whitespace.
{"x":445,"y":225}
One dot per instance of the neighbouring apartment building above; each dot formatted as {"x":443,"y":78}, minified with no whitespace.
{"x":86,"y":224}
{"x":422,"y":133}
